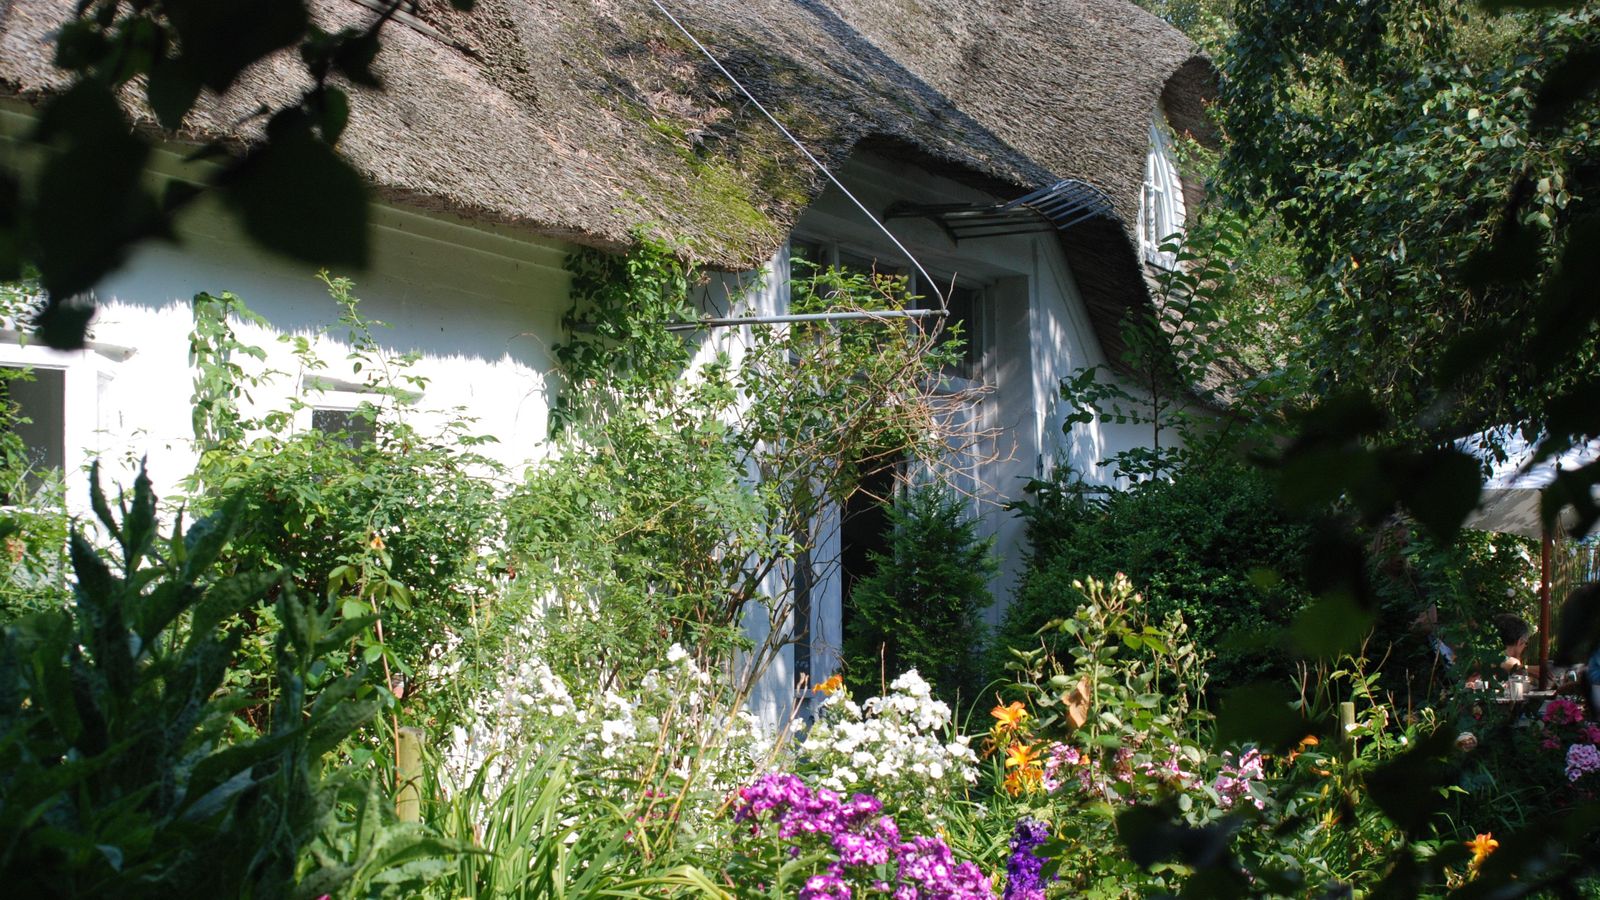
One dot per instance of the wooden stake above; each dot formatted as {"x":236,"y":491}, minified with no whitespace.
{"x":408,"y":777}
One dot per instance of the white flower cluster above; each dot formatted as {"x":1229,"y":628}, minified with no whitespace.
{"x":891,"y":746}
{"x":671,"y":736}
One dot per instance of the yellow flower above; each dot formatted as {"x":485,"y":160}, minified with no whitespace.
{"x":832,"y":686}
{"x":1481,"y":846}
{"x":1019,"y":756}
{"x":1024,"y":780}
{"x":1009,"y":717}
{"x":377,"y":541}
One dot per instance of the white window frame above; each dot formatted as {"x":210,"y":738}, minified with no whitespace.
{"x":1161,"y":206}
{"x":84,"y":372}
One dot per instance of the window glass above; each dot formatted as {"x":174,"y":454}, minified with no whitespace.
{"x":965,"y":305}
{"x":41,"y":399}
{"x":1162,"y":212}
{"x":349,"y":427}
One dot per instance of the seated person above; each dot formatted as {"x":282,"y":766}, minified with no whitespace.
{"x":1428,"y":624}
{"x":1514,"y":635}
{"x":1591,"y":679}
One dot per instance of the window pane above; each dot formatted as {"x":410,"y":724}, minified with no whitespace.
{"x":41,"y":399}
{"x":344,"y":425}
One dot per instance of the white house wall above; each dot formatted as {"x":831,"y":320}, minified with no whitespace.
{"x":480,"y":309}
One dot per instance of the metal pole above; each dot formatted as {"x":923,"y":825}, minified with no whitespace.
{"x":853,"y":315}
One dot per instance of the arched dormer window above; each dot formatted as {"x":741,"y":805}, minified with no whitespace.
{"x":1161,"y":208}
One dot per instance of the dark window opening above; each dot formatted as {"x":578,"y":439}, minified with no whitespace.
{"x":863,"y":531}
{"x":963,"y":304}
{"x":39,"y":401}
{"x":801,"y":616}
{"x":347,"y":426}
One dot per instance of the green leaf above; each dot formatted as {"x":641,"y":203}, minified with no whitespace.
{"x":172,"y":89}
{"x":296,"y":196}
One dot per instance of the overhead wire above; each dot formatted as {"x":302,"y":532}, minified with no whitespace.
{"x":944,"y":307}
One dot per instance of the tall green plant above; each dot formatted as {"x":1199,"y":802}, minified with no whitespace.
{"x":399,"y":530}
{"x":918,"y":608}
{"x":122,"y":769}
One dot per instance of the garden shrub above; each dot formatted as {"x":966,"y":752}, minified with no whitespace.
{"x":918,"y":607}
{"x":1210,"y":544}
{"x":401,"y":527}
{"x":33,"y":514}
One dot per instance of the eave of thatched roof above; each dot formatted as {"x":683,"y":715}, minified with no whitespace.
{"x":588,"y":119}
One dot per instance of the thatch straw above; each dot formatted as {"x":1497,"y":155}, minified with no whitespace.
{"x":583,"y":119}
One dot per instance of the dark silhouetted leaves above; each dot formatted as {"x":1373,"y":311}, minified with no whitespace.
{"x":1154,"y":834}
{"x":1408,"y":787}
{"x":219,"y":39}
{"x":91,"y":205}
{"x":1263,"y":715}
{"x":1569,"y":81}
{"x":173,"y":88}
{"x":1439,"y":488}
{"x":1330,"y":627}
{"x":10,"y":228}
{"x":296,"y":196}
{"x":1578,"y":627}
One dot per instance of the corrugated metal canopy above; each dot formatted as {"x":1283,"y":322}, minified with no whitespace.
{"x":1054,"y":208}
{"x":1512,"y":490}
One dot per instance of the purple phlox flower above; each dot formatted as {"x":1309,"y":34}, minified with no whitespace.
{"x":862,"y":840}
{"x":1123,"y":764}
{"x":826,"y":886}
{"x":1233,"y":784}
{"x":1062,"y":758}
{"x":777,"y":791}
{"x":1168,"y":771}
{"x":1581,"y":760}
{"x":928,"y":865}
{"x":1024,"y":868}
{"x":861,"y":849}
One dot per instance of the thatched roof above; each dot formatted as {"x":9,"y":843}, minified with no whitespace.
{"x":585,"y":119}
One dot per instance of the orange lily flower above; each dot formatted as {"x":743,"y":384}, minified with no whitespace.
{"x":833,"y":685}
{"x":1481,"y":846}
{"x":1020,"y":756}
{"x":1009,"y":718}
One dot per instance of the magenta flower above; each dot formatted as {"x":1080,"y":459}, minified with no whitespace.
{"x":1562,"y":711}
{"x":862,"y":840}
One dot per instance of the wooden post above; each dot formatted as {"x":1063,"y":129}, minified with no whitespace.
{"x":1544,"y":607}
{"x":1347,"y":721}
{"x":408,"y":776}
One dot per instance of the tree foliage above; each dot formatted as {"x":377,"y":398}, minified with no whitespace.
{"x":1434,"y":165}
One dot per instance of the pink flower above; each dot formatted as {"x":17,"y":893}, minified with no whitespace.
{"x":1562,"y":711}
{"x":1591,"y":732}
{"x":1581,"y":760}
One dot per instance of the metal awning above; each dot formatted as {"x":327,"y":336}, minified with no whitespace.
{"x":1055,"y":208}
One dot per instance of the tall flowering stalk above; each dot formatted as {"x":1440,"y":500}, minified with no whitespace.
{"x":1025,"y":867}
